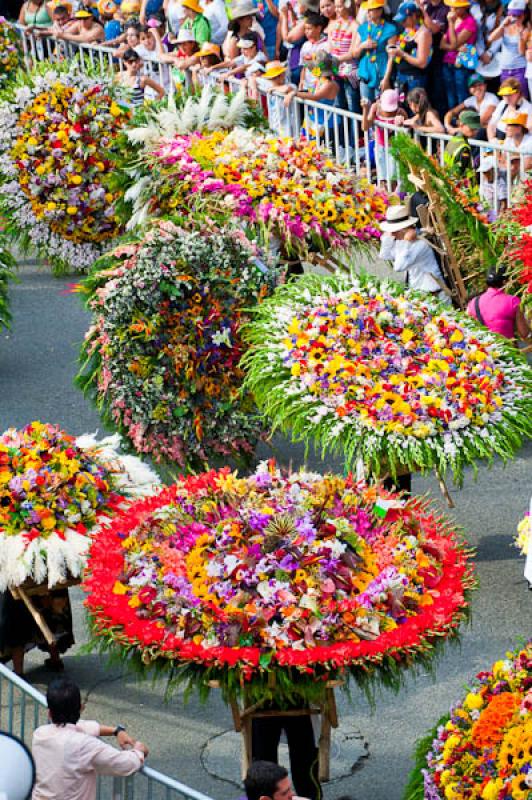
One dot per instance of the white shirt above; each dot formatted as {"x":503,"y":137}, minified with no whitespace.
{"x":217,"y":16}
{"x":417,"y":258}
{"x":489,"y":100}
{"x":68,"y":759}
{"x":503,"y":110}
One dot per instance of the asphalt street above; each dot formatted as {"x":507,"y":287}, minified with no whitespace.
{"x":37,"y":366}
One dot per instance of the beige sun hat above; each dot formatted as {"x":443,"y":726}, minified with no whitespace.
{"x":397,"y":218}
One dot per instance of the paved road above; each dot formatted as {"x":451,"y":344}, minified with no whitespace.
{"x":37,"y":365}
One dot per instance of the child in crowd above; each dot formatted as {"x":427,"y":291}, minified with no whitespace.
{"x":425,"y":119}
{"x":181,"y":59}
{"x":250,"y":61}
{"x":209,"y":56}
{"x":385,"y":109}
{"x":316,"y":121}
{"x":273,"y":82}
{"x":132,"y":78}
{"x":195,"y":21}
{"x":491,"y":186}
{"x":314,"y":29}
{"x":130,"y":39}
{"x":61,"y":18}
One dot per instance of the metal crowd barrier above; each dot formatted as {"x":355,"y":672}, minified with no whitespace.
{"x":337,"y":130}
{"x":23,"y":708}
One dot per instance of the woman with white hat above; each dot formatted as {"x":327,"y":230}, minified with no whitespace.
{"x":411,"y":254}
{"x":243,"y":16}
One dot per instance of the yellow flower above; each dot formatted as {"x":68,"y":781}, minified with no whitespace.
{"x":72,"y":210}
{"x":115,"y":110}
{"x":473,"y":701}
{"x":76,"y":179}
{"x":491,"y":790}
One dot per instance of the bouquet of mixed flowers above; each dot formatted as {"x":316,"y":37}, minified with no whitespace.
{"x":58,"y":134}
{"x":286,"y":191}
{"x":7,"y":273}
{"x":55,"y":491}
{"x":304,"y":576}
{"x":482,"y":750}
{"x":10,"y":50}
{"x":384,"y":375}
{"x":162,"y":357}
{"x":519,"y":249}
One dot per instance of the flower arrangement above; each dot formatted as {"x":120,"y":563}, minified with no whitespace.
{"x":524,"y":535}
{"x":10,"y":52}
{"x":58,"y":134}
{"x":482,"y":750}
{"x":162,"y":357}
{"x":285,"y":191}
{"x":55,"y":491}
{"x":519,"y":250}
{"x":7,"y":273}
{"x":275,"y":583}
{"x":384,"y":375}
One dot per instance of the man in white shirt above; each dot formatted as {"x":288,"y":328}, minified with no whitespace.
{"x":68,"y":753}
{"x":410,"y":254}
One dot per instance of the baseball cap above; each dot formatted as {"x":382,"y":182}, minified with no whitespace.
{"x":474,"y":79}
{"x":470,"y":118}
{"x":404,"y":10}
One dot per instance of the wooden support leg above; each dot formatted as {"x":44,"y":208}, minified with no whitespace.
{"x":20,"y":594}
{"x":246,"y":742}
{"x":324,"y":746}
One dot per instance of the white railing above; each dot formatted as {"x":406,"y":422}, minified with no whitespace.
{"x":338,"y":130}
{"x":23,"y":708}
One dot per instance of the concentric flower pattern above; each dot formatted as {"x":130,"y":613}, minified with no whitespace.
{"x":300,"y":571}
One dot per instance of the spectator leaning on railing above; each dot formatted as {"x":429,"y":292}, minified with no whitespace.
{"x":68,"y":753}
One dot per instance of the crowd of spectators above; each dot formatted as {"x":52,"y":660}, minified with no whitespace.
{"x":461,"y":67}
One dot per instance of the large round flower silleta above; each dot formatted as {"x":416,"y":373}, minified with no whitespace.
{"x":304,"y":576}
{"x":58,"y":142}
{"x":162,"y":357}
{"x":482,"y":750}
{"x":10,"y":51}
{"x":380,"y":373}
{"x":55,"y":492}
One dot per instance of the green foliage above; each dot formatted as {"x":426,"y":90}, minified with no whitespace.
{"x":414,"y":789}
{"x":475,"y":243}
{"x":7,"y":273}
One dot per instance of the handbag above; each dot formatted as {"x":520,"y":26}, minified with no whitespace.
{"x":467,"y":57}
{"x":478,"y":311}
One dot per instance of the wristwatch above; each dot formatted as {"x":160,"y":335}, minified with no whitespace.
{"x":118,"y":730}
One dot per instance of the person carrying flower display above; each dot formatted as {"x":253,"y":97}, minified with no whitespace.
{"x":411,"y":254}
{"x":499,"y":311}
{"x":369,"y":47}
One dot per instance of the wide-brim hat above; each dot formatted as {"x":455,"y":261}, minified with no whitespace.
{"x":243,"y":9}
{"x":82,"y":14}
{"x":371,"y":5}
{"x":209,"y":49}
{"x":193,"y":5}
{"x":519,"y":118}
{"x":185,"y":35}
{"x":397,"y":218}
{"x":274,"y":68}
{"x":486,"y":163}
{"x":457,"y":3}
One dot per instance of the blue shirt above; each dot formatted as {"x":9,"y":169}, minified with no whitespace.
{"x":373,"y":63}
{"x":112,"y":28}
{"x":269,"y":24}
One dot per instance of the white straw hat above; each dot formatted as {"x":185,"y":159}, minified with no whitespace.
{"x":397,"y":218}
{"x":244,"y":8}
